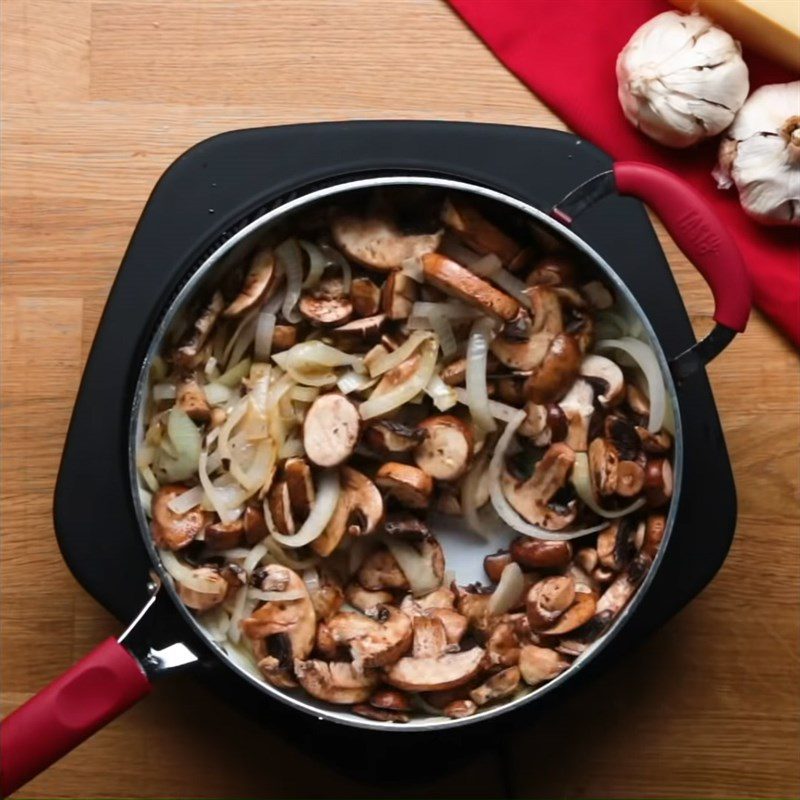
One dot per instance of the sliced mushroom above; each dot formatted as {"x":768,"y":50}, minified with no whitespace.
{"x":622,"y":434}
{"x":531,"y":498}
{"x":175,"y":530}
{"x":458,"y":281}
{"x":375,"y":640}
{"x":326,"y":304}
{"x":494,"y":564}
{"x":326,"y":594}
{"x":608,"y":375}
{"x":293,"y":620}
{"x":405,"y":525}
{"x":603,"y":464}
{"x":546,"y":308}
{"x":358,"y":511}
{"x":330,"y":429}
{"x":551,"y":379}
{"x":284,"y":337}
{"x":522,"y":354}
{"x":498,"y":686}
{"x":637,"y":400}
{"x":439,"y":598}
{"x":653,"y":534}
{"x":364,"y":599}
{"x":224,"y":535}
{"x":435,"y":674}
{"x":455,"y":373}
{"x":578,"y":407}
{"x":615,"y":544}
{"x":398,"y":295}
{"x":258,"y":281}
{"x":540,"y":664}
{"x":391,"y":700}
{"x":380,"y":714}
{"x":503,"y":646}
{"x":473,"y":603}
{"x":455,"y":625}
{"x":446,"y":449}
{"x":387,"y":436}
{"x":365,"y":296}
{"x":276,"y":673}
{"x":657,"y":444}
{"x":532,"y":553}
{"x":300,"y":485}
{"x":338,"y":682}
{"x":430,"y":637}
{"x":355,"y":334}
{"x":191,"y":398}
{"x":187,"y":353}
{"x":597,"y":295}
{"x":630,"y":478}
{"x":547,"y":600}
{"x":509,"y":390}
{"x":409,"y":485}
{"x":556,"y":269}
{"x":579,"y":613}
{"x":616,"y":596}
{"x":395,"y":376}
{"x":376,"y":242}
{"x":448,"y":500}
{"x":480,"y":234}
{"x":280,"y":508}
{"x":255,"y":526}
{"x":380,"y":571}
{"x":210,"y":589}
{"x":658,"y":482}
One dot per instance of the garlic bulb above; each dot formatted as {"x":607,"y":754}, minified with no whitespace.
{"x":681,"y":79}
{"x":761,"y":155}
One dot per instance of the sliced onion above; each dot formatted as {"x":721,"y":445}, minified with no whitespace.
{"x":217,"y":393}
{"x":405,"y":392}
{"x":253,"y":558}
{"x":210,"y":369}
{"x":224,"y":503}
{"x":503,"y":507}
{"x":336,"y":258}
{"x":452,"y":309}
{"x":327,"y":495}
{"x":265,"y":328}
{"x":501,"y":411}
{"x":470,"y":496}
{"x":509,"y":590}
{"x":235,"y":416}
{"x":217,"y":622}
{"x":304,"y":394}
{"x":187,"y":500}
{"x":233,"y":554}
{"x":241,"y":608}
{"x":314,"y":354}
{"x":352,"y":381}
{"x":237,"y":654}
{"x":285,"y":597}
{"x":233,"y":376}
{"x":646,"y":359}
{"x":413,"y":268}
{"x":145,"y":454}
{"x":444,"y":332}
{"x":246,"y":327}
{"x":486,"y":266}
{"x":149,"y":478}
{"x":187,"y":441}
{"x":442,"y":395}
{"x":146,"y":501}
{"x":582,"y":482}
{"x":286,"y":560}
{"x":477,"y":355}
{"x":289,"y":255}
{"x":383,"y":363}
{"x":291,"y":448}
{"x":311,"y":580}
{"x":164,"y":391}
{"x":277,"y":391}
{"x":418,"y":570}
{"x":512,"y":285}
{"x":316,"y":264}
{"x":186,"y":575}
{"x":454,"y":248}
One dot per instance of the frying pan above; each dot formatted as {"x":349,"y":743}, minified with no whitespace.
{"x":119,"y":672}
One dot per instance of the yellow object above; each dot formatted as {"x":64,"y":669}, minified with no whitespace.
{"x":769,"y":27}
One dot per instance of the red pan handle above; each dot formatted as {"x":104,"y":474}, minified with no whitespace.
{"x":85,"y":698}
{"x":699,"y":233}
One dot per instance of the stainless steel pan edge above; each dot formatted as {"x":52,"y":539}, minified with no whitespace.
{"x":188,"y":291}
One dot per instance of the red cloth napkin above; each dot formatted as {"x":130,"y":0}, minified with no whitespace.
{"x":566,"y":51}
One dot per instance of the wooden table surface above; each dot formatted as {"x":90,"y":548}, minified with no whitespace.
{"x":98,"y":98}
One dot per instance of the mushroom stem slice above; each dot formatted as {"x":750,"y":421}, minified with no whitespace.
{"x":330,"y":429}
{"x":430,"y":638}
{"x":540,"y":664}
{"x":175,"y":530}
{"x":337,"y":682}
{"x":374,"y":640}
{"x":435,"y":674}
{"x":446,"y":449}
{"x":498,"y":686}
{"x":409,"y":485}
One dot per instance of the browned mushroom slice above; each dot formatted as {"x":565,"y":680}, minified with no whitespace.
{"x":630,"y":478}
{"x":552,"y":378}
{"x":616,"y":596}
{"x":257,"y":282}
{"x":473,"y":603}
{"x":300,"y":485}
{"x":380,"y":571}
{"x":446,"y":449}
{"x":455,"y":625}
{"x":480,"y":234}
{"x":458,"y":281}
{"x":531,"y":498}
{"x":615,"y":544}
{"x":499,"y":686}
{"x":380,"y":714}
{"x":597,"y":295}
{"x":326,"y":304}
{"x":398,"y":295}
{"x":390,"y":699}
{"x":276,"y":673}
{"x":280,"y":508}
{"x":532,"y":553}
{"x":455,"y":373}
{"x":358,"y":511}
{"x":191,"y":398}
{"x":224,"y":535}
{"x":654,"y":532}
{"x":284,"y":337}
{"x":603,"y":463}
{"x":494,"y":564}
{"x":210,"y":589}
{"x":577,"y":407}
{"x":376,"y":242}
{"x":548,"y":599}
{"x":364,"y":599}
{"x":326,"y":593}
{"x":522,"y":354}
{"x":637,"y":400}
{"x":458,"y":709}
{"x":330,"y":429}
{"x":365,"y":296}
{"x":175,"y":530}
{"x":503,"y":645}
{"x":397,"y":375}
{"x":658,"y":482}
{"x":409,"y":485}
{"x":435,"y":674}
{"x":540,"y":664}
{"x":375,"y":640}
{"x":579,"y":613}
{"x":255,"y":526}
{"x":657,"y":444}
{"x":555,"y":269}
{"x":293,"y":621}
{"x":442,"y":597}
{"x":546,"y":310}
{"x":337,"y":682}
{"x":405,"y":525}
{"x":354,"y":334}
{"x":187,"y":353}
{"x":430,"y":637}
{"x":387,"y":436}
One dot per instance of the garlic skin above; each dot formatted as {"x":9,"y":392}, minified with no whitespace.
{"x":761,"y":155}
{"x":681,"y":79}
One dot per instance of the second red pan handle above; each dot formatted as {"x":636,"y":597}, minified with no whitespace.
{"x":88,"y":696}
